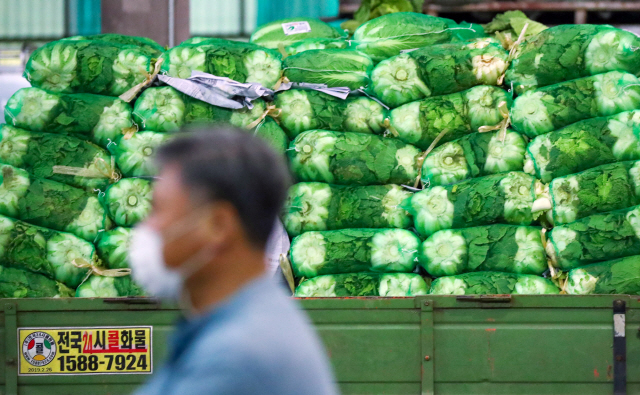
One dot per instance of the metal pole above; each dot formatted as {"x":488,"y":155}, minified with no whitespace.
{"x":172,"y":23}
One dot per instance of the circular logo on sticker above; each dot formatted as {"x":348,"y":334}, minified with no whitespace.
{"x":39,"y":348}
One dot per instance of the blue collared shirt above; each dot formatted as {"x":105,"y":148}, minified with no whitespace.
{"x":258,"y":342}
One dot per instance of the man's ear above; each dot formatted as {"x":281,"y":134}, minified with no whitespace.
{"x":223,"y":225}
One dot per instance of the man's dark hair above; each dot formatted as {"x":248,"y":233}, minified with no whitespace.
{"x":226,"y":163}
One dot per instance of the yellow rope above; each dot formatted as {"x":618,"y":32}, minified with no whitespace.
{"x":101,"y":169}
{"x":83,"y":264}
{"x":133,"y":92}
{"x":271,"y":110}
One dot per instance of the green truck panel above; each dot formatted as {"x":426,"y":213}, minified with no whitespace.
{"x":425,"y":345}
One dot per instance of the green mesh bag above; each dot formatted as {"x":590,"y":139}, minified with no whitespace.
{"x":437,"y":70}
{"x":16,"y":283}
{"x":57,"y":157}
{"x":50,"y":204}
{"x":595,"y":238}
{"x":604,"y":188}
{"x":500,"y":248}
{"x":151,"y":47}
{"x":113,"y":246}
{"x":315,"y":43}
{"x":492,"y":283}
{"x":242,"y":62}
{"x":108,"y":287}
{"x":272,"y":134}
{"x":474,"y":155}
{"x":165,"y":110}
{"x":386,"y":36}
{"x":583,"y":145}
{"x":619,"y":276}
{"x":352,"y":158}
{"x":363,"y":284}
{"x":421,"y":122}
{"x":303,"y":110}
{"x":44,"y":251}
{"x":550,"y":108}
{"x":285,"y":32}
{"x":128,"y":201}
{"x":88,"y":66}
{"x":135,"y":155}
{"x":567,"y":52}
{"x":101,"y":119}
{"x":508,"y":26}
{"x":353,"y":251}
{"x":318,"y":206}
{"x":502,"y":198}
{"x":332,"y":67}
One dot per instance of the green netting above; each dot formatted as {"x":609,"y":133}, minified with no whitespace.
{"x":567,"y":52}
{"x":371,"y":9}
{"x":135,"y":155}
{"x":101,"y":119}
{"x":620,"y":276}
{"x":318,"y":206}
{"x":389,"y":34}
{"x":151,"y":47}
{"x":273,"y":34}
{"x":333,"y":67}
{"x":165,"y":109}
{"x":315,"y":43}
{"x":500,"y":248}
{"x":112,"y":247}
{"x":474,"y":155}
{"x":272,"y":133}
{"x":501,"y":198}
{"x":128,"y":201}
{"x":583,"y":145}
{"x":421,"y":122}
{"x":88,"y":66}
{"x":437,"y":70}
{"x":108,"y":287}
{"x":604,"y":188}
{"x":353,"y":251}
{"x":363,"y":284}
{"x":44,"y":251}
{"x":552,"y":107}
{"x":492,"y":283}
{"x":595,"y":238}
{"x":239,"y":61}
{"x":40,"y":153}
{"x":16,"y":283}
{"x":50,"y":204}
{"x":508,"y":27}
{"x":352,"y":158}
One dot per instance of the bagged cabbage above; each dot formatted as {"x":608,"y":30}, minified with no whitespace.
{"x":56,"y":157}
{"x":352,"y":158}
{"x":165,"y":110}
{"x":604,"y":188}
{"x":332,"y":67}
{"x":456,"y":115}
{"x":108,"y":287}
{"x":239,"y":61}
{"x":371,"y":9}
{"x":583,"y":145}
{"x":619,"y":276}
{"x":128,"y":201}
{"x":353,"y":251}
{"x":88,"y":66}
{"x":389,"y":34}
{"x":292,"y":30}
{"x":437,"y":70}
{"x":362,"y":284}
{"x":145,"y":43}
{"x":492,"y":283}
{"x":135,"y":155}
{"x":315,"y":43}
{"x":567,"y":52}
{"x":318,"y":206}
{"x":501,"y":198}
{"x":303,"y":110}
{"x":508,"y":26}
{"x":595,"y":238}
{"x":112,"y":247}
{"x":552,"y":107}
{"x":16,"y":283}
{"x":101,"y":119}
{"x":474,"y":155}
{"x":272,"y":133}
{"x":44,"y":251}
{"x":500,"y":248}
{"x":50,"y":204}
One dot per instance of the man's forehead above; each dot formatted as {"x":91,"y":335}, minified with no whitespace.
{"x":170,"y":187}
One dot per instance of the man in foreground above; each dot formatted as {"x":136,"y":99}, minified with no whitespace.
{"x":218,"y":194}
